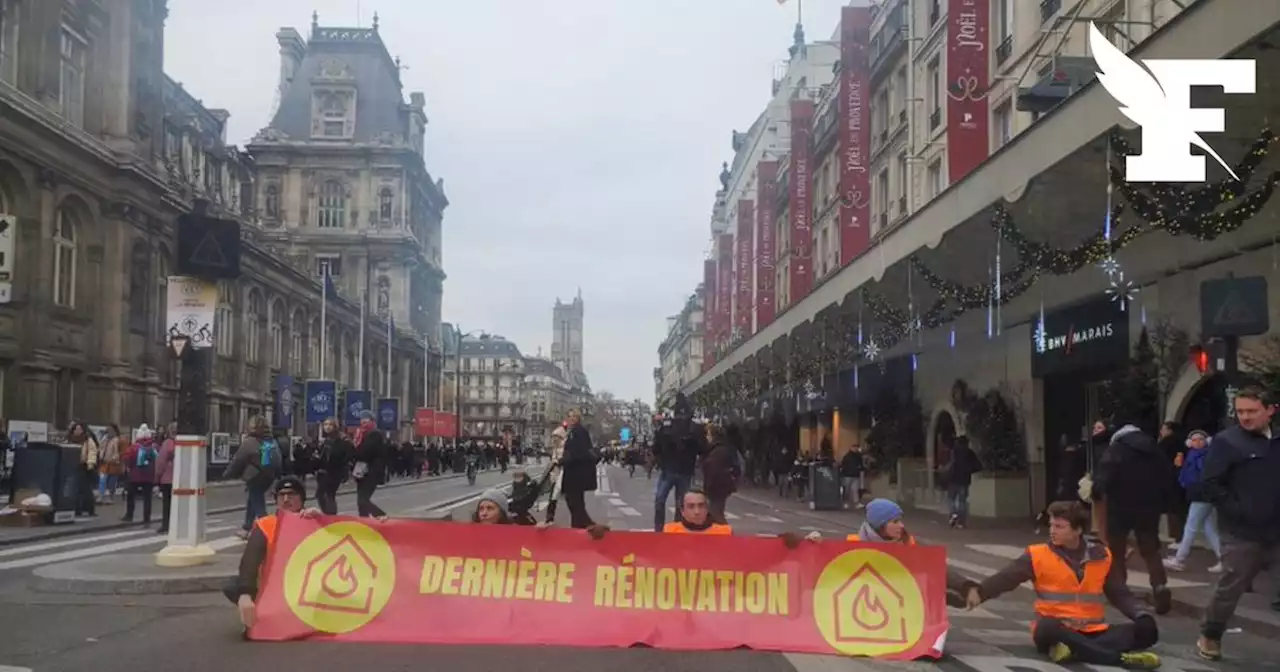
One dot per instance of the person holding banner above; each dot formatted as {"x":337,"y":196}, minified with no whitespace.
{"x":291,"y":495}
{"x":491,"y":509}
{"x":695,"y":517}
{"x":1074,"y":578}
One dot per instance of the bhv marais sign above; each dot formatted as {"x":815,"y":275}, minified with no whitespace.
{"x":1090,"y":335}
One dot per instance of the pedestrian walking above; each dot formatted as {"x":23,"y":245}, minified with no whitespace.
{"x":164,"y":475}
{"x":1239,"y":479}
{"x":334,"y":454}
{"x":960,"y":470}
{"x":720,"y":471}
{"x":1200,"y":514}
{"x":579,"y":465}
{"x":80,"y":435}
{"x":140,"y":460}
{"x":257,"y":463}
{"x":1134,"y":480}
{"x":370,"y":467}
{"x":675,"y":451}
{"x":109,"y":465}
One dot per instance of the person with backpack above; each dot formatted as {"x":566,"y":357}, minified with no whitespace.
{"x":257,"y":463}
{"x":1200,"y":515}
{"x":140,"y":460}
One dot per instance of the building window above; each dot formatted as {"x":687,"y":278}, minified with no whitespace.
{"x":903,"y":179}
{"x":882,"y":192}
{"x":224,"y":323}
{"x":272,"y":200}
{"x":333,"y":114}
{"x":71,"y":78}
{"x":277,"y":341}
{"x":385,"y":201}
{"x":329,"y":265}
{"x":295,"y":344}
{"x":935,"y":177}
{"x":1003,"y":121}
{"x":901,"y":94}
{"x":64,"y":258}
{"x":253,"y":328}
{"x":9,"y":21}
{"x":332,"y":210}
{"x":934,"y":77}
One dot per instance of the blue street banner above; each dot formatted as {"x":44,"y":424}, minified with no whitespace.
{"x":322,"y":398}
{"x":356,"y":402}
{"x":625,"y":434}
{"x":283,"y":402}
{"x":388,"y":414}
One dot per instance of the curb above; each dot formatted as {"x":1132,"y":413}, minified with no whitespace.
{"x":66,"y":578}
{"x":74,"y":531}
{"x":1181,"y":607}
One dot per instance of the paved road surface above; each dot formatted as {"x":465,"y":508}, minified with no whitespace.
{"x":198,"y":633}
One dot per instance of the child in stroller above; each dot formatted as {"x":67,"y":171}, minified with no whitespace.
{"x":524,"y":495}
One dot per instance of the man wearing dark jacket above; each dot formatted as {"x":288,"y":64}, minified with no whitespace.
{"x":370,"y":466}
{"x":579,"y":471}
{"x":676,"y":449}
{"x":1239,"y":478}
{"x":1134,"y":479}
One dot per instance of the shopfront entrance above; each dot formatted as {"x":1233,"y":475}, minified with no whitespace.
{"x":1082,"y":346}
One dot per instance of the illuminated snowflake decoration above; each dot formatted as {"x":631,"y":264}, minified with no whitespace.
{"x":1121,"y":290}
{"x":871,"y":350}
{"x":1110,"y":267}
{"x":1040,"y":336}
{"x":914,"y":325}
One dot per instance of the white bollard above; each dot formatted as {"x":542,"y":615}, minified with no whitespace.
{"x":187,"y":547}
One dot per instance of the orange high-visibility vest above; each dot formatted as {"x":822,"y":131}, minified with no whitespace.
{"x":268,"y":525}
{"x":1079,"y":603}
{"x":911,"y":541}
{"x":715,"y":529}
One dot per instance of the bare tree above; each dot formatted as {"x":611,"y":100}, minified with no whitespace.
{"x":1171,"y":345}
{"x":1263,"y":362}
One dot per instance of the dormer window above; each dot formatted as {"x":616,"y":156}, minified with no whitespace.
{"x":333,"y":114}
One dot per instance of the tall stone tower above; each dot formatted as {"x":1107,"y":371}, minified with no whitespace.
{"x":566,"y":336}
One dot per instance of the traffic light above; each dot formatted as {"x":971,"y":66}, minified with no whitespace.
{"x":1200,"y":358}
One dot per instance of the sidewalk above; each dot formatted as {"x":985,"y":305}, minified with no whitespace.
{"x":221,"y":497}
{"x":987,"y":545}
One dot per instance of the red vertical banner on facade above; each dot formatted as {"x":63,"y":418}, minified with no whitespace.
{"x":709,"y":296}
{"x":766,"y":213}
{"x":801,"y":200}
{"x":743,"y":271}
{"x":855,"y":133}
{"x":724,"y":287}
{"x":968,"y":78}
{"x":424,"y":422}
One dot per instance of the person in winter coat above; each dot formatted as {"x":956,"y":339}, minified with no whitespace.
{"x":1099,"y":439}
{"x":579,"y":466}
{"x":676,"y":448}
{"x":1133,"y":478}
{"x":164,"y":475}
{"x":1239,"y":478}
{"x":109,"y":465}
{"x":556,"y":473}
{"x":372,"y":452}
{"x":332,"y":461}
{"x":1172,"y":442}
{"x":720,"y":472}
{"x":964,"y":464}
{"x":257,"y":463}
{"x":851,"y":474}
{"x":491,"y":509}
{"x":80,"y":435}
{"x":140,"y":461}
{"x":1200,"y":514}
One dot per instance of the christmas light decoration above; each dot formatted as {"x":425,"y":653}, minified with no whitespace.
{"x":1121,"y":290}
{"x":871,"y":350}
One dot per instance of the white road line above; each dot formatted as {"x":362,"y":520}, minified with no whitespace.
{"x":73,"y":541}
{"x":812,"y":662}
{"x":11,"y":668}
{"x":225,"y":543}
{"x":628,"y":511}
{"x":95,"y":550}
{"x":767,"y":519}
{"x":616,"y":502}
{"x":732,"y":516}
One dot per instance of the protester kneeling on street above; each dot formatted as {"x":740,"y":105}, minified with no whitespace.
{"x":291,"y":495}
{"x":1073,"y":579}
{"x":491,"y":509}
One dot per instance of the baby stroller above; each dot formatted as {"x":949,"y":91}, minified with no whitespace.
{"x":524,"y":496}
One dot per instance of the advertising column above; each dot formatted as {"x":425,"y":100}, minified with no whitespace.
{"x":746,"y":222}
{"x":968,"y":78}
{"x":708,"y":313}
{"x":724,"y":291}
{"x":855,"y":134}
{"x":766,"y":213}
{"x":801,"y":200}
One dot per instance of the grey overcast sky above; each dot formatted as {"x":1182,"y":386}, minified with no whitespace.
{"x":579,"y":141}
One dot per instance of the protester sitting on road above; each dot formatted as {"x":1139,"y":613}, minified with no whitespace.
{"x":1072,"y":576}
{"x":291,"y":494}
{"x":695,"y":517}
{"x":491,"y":509}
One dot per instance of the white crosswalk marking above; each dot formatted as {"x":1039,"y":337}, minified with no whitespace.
{"x":628,"y":511}
{"x":74,"y":541}
{"x":93,"y":550}
{"x":732,"y":516}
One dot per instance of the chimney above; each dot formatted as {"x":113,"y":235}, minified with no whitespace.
{"x":292,"y":49}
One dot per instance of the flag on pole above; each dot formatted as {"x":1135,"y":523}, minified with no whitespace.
{"x":326,"y":288}
{"x":360,"y":352}
{"x":391,"y":328}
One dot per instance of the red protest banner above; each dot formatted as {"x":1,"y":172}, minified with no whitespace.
{"x":446,"y":425}
{"x":424,"y":422}
{"x":416,"y":582}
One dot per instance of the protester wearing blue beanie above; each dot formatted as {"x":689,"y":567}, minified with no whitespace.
{"x":882,"y":511}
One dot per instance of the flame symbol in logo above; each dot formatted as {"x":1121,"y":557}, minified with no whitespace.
{"x":339,"y":581}
{"x":868,"y":611}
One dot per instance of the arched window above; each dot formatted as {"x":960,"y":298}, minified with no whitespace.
{"x":272,"y":200}
{"x":332,"y":210}
{"x":253,"y":328}
{"x":276,"y":330}
{"x":385,"y":201}
{"x":139,"y":264}
{"x":64,"y":258}
{"x":224,"y":326}
{"x":297,"y":329}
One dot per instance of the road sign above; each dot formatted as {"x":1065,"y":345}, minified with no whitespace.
{"x":191,"y":304}
{"x":208,"y":248}
{"x":1234,"y":307}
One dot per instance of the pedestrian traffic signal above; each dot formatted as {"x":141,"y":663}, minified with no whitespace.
{"x":1200,"y":358}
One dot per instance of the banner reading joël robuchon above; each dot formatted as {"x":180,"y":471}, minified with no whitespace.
{"x":417,"y":582}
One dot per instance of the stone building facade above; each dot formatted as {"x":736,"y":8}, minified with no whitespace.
{"x":343,"y":188}
{"x":492,"y":387}
{"x":100,"y":152}
{"x":548,"y":397}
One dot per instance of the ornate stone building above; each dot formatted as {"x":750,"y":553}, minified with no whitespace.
{"x":548,"y":397}
{"x":492,"y":387}
{"x":343,"y":188}
{"x":100,"y":152}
